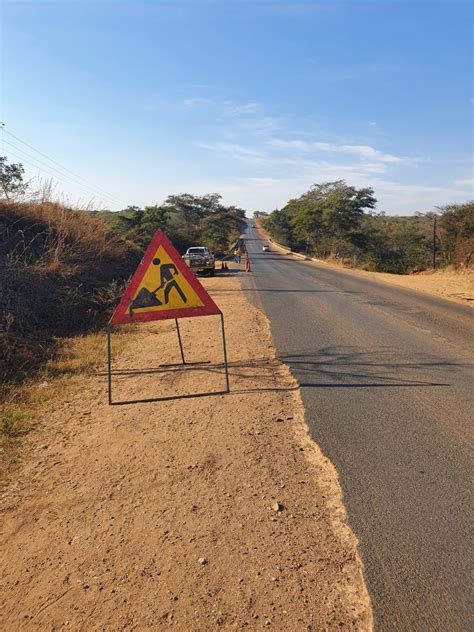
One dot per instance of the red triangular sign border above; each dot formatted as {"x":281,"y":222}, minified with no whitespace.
{"x":121,"y":317}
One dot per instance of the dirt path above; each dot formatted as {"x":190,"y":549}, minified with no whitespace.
{"x":199,"y":513}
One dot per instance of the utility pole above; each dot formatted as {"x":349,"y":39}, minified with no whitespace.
{"x":434,"y":242}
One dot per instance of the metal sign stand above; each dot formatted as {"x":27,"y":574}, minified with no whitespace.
{"x":109,"y":364}
{"x":180,"y":343}
{"x":225,"y":354}
{"x":109,"y":357}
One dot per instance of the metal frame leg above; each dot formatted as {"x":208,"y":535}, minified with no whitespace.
{"x":180,"y":343}
{"x":225,"y":354}
{"x":109,"y":364}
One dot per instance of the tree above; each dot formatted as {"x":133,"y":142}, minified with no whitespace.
{"x":324,"y":218}
{"x":457,"y":233}
{"x":129,"y":220}
{"x":154,"y":218}
{"x":187,"y":211}
{"x":11,"y":178}
{"x":221,"y":227}
{"x":279,"y":226}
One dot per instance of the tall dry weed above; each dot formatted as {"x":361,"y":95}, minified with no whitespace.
{"x":61,"y":273}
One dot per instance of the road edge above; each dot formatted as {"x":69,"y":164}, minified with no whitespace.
{"x":327,"y":474}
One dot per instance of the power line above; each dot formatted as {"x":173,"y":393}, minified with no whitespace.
{"x":98,"y":190}
{"x":60,"y":179}
{"x":64,"y":177}
{"x":6,"y":131}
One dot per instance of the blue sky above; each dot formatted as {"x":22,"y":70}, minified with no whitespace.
{"x":256,"y":100}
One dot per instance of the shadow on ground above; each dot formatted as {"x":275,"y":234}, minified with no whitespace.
{"x":345,"y":367}
{"x":329,"y":367}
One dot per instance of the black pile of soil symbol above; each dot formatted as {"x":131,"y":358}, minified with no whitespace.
{"x":145,"y":298}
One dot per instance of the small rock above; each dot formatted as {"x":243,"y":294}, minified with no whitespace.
{"x":203,"y":561}
{"x":277,"y":507}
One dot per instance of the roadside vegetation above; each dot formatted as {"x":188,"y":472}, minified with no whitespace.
{"x":188,"y":220}
{"x":337,"y":221}
{"x":62,"y":272}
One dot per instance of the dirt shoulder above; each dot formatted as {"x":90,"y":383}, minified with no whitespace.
{"x":454,"y":285}
{"x":195,"y":513}
{"x":457,"y":286}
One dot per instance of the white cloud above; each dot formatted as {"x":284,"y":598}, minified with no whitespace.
{"x":234,"y":151}
{"x":229,"y":148}
{"x":365,"y":151}
{"x":196,"y":102}
{"x":263,"y":181}
{"x":228,"y":108}
{"x":238,"y":110}
{"x":465,"y":182}
{"x":260,"y":126}
{"x":372,"y":124}
{"x":362,"y":151}
{"x":291,"y":165}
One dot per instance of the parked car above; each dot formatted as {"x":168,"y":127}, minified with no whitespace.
{"x":266,"y":248}
{"x":200,"y":259}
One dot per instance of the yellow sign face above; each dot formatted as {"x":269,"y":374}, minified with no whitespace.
{"x":163,"y":288}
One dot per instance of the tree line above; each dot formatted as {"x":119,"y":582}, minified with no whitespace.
{"x":332,"y":219}
{"x":188,"y":220}
{"x":336,"y":220}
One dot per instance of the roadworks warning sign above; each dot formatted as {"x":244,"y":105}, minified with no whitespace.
{"x":163,"y":287}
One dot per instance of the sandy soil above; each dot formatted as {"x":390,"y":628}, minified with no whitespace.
{"x":458,"y":286}
{"x":203,"y":513}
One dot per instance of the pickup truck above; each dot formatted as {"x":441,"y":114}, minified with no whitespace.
{"x":200,"y":259}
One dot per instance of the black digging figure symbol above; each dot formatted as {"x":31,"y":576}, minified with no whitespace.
{"x":145,"y":298}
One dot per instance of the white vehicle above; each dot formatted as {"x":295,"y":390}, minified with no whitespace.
{"x":200,"y":259}
{"x":266,"y":248}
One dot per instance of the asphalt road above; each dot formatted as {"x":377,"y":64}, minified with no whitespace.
{"x":386,"y":379}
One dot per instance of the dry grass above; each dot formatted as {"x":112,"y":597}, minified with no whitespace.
{"x":61,"y":273}
{"x":49,"y":234}
{"x":76,"y":359}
